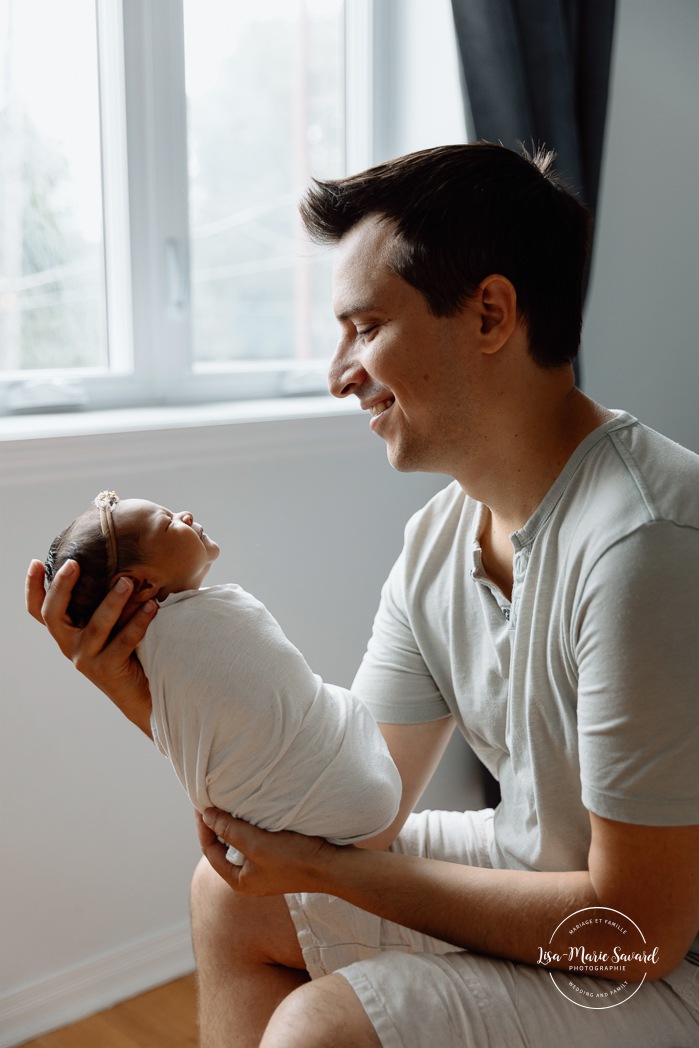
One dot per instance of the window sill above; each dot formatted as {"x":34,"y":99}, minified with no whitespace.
{"x":148,"y":419}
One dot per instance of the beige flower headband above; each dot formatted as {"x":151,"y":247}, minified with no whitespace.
{"x":105,"y":501}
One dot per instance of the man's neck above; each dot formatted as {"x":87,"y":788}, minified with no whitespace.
{"x":527,"y":448}
{"x":531,"y":449}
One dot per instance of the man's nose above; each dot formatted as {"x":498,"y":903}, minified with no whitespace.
{"x":345,"y":374}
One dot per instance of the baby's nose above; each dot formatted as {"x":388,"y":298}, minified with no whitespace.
{"x":186,"y":516}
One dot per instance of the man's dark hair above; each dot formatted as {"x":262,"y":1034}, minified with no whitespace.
{"x":84,"y":542}
{"x":464,"y":212}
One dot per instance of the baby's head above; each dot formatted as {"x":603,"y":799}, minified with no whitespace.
{"x":160,"y":551}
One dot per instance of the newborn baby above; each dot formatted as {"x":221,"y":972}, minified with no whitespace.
{"x":247,"y":725}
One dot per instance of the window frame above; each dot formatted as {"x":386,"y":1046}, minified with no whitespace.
{"x":143,"y":111}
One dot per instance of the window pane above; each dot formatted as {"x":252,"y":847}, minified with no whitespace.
{"x":265,"y":97}
{"x":52,"y":299}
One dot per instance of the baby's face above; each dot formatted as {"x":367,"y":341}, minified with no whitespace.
{"x":177,"y":552}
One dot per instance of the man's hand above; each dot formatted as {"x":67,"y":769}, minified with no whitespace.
{"x":275,"y":863}
{"x":110,"y":664}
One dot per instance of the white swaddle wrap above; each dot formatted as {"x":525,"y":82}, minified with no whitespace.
{"x":249,"y":728}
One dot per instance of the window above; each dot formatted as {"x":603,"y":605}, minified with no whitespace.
{"x":151,"y":156}
{"x":52,"y":305}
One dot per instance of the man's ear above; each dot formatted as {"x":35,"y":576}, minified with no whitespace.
{"x":498,"y":311}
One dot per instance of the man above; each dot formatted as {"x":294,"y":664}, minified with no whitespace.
{"x":545,"y":602}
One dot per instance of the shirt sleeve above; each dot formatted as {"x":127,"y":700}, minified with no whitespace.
{"x":637,"y":638}
{"x":393,"y":680}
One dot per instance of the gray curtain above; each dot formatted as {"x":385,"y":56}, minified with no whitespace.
{"x":537,"y":72}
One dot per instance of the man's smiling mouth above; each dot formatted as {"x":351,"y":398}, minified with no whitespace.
{"x":378,"y":409}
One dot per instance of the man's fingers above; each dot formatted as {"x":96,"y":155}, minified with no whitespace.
{"x":54,"y":610}
{"x":206,"y":836}
{"x":34,"y":592}
{"x":133,"y":631}
{"x":55,"y":607}
{"x":105,"y":617}
{"x":215,"y":852}
{"x":217,"y":826}
{"x":220,"y":824}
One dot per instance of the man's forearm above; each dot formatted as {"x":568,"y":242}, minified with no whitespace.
{"x":504,"y":913}
{"x":136,"y":707}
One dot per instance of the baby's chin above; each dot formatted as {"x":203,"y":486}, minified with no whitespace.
{"x":212,"y":548}
{"x":208,"y":567}
{"x":213,"y":555}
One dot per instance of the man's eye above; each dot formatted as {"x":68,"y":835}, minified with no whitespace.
{"x":366,"y":331}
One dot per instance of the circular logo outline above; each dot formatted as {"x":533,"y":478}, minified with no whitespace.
{"x":599,"y":1007}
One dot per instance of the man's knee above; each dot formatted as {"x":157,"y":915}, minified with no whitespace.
{"x":212,"y":906}
{"x":240,"y":927}
{"x":321,"y":1013}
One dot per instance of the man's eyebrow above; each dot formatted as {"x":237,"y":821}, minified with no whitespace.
{"x":353,"y":311}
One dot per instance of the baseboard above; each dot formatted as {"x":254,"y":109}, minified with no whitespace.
{"x":75,"y":993}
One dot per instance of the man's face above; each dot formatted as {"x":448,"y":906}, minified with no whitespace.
{"x":177,"y":552}
{"x":405,"y":366}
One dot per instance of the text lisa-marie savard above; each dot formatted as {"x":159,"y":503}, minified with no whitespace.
{"x":598,"y":960}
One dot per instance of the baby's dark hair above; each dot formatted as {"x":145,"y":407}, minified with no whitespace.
{"x":84,"y":542}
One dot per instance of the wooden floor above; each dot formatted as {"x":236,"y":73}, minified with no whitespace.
{"x":162,"y":1018}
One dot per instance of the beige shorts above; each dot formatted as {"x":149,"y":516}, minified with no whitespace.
{"x":422,"y":993}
